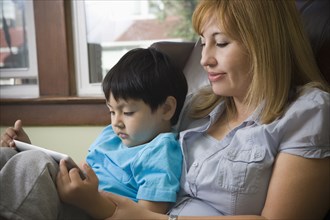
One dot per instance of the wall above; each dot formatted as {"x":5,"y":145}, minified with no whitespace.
{"x":71,"y":140}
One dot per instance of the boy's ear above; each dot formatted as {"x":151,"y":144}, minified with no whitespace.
{"x":169,"y":108}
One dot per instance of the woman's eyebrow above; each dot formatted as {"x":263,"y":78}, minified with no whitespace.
{"x":217,"y":33}
{"x":214,"y":34}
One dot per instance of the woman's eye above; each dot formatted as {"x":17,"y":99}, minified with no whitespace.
{"x":222,"y":44}
{"x":112,"y":113}
{"x":202,"y":44}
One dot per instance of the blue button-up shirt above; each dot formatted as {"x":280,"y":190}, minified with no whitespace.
{"x":231,"y":176}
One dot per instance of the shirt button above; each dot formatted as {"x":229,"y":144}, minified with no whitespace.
{"x":195,"y":164}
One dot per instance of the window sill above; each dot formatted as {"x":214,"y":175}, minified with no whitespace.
{"x":54,"y":111}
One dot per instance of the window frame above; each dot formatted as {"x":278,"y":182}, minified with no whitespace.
{"x":81,"y":47}
{"x":84,"y":87}
{"x":30,"y":90}
{"x":58,"y":103}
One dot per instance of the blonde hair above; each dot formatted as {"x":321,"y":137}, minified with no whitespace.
{"x":279,"y":51}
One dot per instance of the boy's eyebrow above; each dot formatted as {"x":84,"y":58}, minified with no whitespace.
{"x":121,"y":105}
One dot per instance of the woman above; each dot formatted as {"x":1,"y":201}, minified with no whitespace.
{"x":258,"y":143}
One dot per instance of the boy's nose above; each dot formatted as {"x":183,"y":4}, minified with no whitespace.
{"x":119,"y":124}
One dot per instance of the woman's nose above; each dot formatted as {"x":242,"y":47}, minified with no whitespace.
{"x":208,"y":58}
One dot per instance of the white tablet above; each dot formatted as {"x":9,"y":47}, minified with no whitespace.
{"x":22,"y":146}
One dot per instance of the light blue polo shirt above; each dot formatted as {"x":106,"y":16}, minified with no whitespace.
{"x":231,"y":176}
{"x":149,"y":172}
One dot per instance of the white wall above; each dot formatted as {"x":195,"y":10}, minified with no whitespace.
{"x":71,"y":140}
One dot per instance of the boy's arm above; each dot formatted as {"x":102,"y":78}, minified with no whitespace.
{"x":159,"y":207}
{"x":83,"y":193}
{"x":100,"y":208}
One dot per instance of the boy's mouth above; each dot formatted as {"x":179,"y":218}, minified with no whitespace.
{"x":122,"y":135}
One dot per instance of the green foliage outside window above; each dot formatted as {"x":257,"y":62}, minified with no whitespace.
{"x":182,"y":8}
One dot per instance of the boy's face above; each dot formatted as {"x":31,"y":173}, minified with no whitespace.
{"x":133,"y":121}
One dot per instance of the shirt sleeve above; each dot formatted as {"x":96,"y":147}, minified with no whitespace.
{"x":157,"y":170}
{"x":306,"y":126}
{"x":106,"y":133}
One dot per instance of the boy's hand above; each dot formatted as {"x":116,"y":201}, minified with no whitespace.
{"x":83,"y":194}
{"x":12,"y":133}
{"x":72,"y":189}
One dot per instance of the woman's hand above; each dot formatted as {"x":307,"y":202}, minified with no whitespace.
{"x":83,"y":194}
{"x":128,"y":209}
{"x":11,"y":133}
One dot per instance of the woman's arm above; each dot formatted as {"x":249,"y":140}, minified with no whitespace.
{"x":299,"y":188}
{"x":159,"y":207}
{"x":127,"y":209}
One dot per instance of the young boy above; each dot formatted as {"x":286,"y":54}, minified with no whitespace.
{"x":138,"y":155}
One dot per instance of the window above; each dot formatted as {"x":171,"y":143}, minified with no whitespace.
{"x":105,"y":30}
{"x":58,"y":62}
{"x":18,"y":60}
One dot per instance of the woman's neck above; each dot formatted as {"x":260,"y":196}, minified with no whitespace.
{"x":242,"y":112}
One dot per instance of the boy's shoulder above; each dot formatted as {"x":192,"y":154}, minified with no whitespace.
{"x":168,"y":136}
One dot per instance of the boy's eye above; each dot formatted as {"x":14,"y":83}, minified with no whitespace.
{"x":128,"y":113}
{"x":112,"y":112}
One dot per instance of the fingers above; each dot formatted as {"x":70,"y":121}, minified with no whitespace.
{"x":12,"y":133}
{"x":68,"y":176}
{"x":89,"y":172}
{"x":63,"y":174}
{"x":8,"y":137}
{"x":74,"y":175}
{"x":18,"y":125}
{"x":22,"y":136}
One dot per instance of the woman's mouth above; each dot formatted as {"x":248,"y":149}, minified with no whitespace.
{"x":216,"y":76}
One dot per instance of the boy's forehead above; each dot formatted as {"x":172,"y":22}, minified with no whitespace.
{"x":112,"y":102}
{"x":120,"y":102}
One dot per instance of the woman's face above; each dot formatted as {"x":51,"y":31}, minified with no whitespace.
{"x":225,"y":61}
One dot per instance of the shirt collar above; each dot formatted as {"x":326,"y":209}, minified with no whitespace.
{"x":253,"y":118}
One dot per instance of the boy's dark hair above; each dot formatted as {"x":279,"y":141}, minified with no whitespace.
{"x":149,"y":75}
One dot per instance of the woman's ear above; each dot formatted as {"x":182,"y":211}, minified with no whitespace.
{"x":169,"y":108}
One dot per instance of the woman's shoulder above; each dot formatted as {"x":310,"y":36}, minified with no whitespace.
{"x":315,"y":95}
{"x":311,"y":100}
{"x":304,"y":127}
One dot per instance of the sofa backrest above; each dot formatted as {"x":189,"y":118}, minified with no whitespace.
{"x":186,"y":55}
{"x":316,"y":20}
